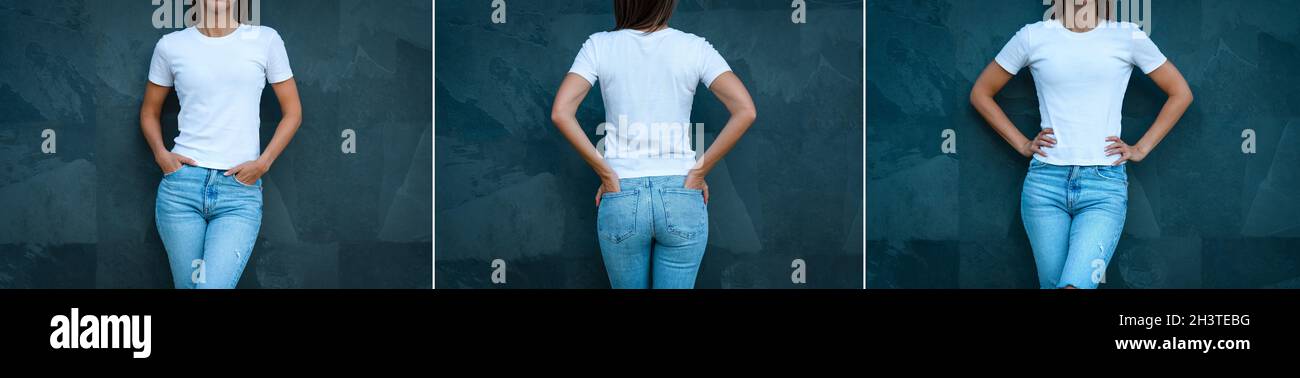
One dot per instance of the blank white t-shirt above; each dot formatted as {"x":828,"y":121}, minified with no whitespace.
{"x":219,"y":82}
{"x":1080,"y":80}
{"x":648,"y":82}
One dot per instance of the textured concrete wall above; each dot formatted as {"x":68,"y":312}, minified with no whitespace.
{"x":1201,"y":212}
{"x":511,"y":188}
{"x":83,"y":217}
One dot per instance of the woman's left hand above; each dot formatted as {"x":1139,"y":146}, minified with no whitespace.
{"x":249,"y":172}
{"x":1125,"y":151}
{"x":696,"y":181}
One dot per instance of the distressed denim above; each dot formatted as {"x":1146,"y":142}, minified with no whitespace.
{"x":208,"y":223}
{"x":652,"y":233}
{"x":1074,"y":216}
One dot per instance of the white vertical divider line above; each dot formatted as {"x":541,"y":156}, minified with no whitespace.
{"x":433,"y":122}
{"x":864,"y":146}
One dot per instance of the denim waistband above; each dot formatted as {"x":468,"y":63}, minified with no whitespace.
{"x":651,"y":181}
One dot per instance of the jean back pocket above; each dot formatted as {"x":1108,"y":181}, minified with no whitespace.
{"x":616,"y":217}
{"x":685,"y":213}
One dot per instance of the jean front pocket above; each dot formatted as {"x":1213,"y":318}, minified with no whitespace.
{"x":173,"y":173}
{"x":1035,"y":163}
{"x":616,"y":217}
{"x":685,"y":212}
{"x":255,"y":185}
{"x":1115,"y":173}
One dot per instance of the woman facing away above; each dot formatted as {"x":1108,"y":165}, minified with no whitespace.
{"x":652,"y":219}
{"x":209,"y":204}
{"x":1075,"y":195}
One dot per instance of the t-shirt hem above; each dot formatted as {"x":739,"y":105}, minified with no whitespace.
{"x":1006,"y":66}
{"x":201,"y":162}
{"x":210,"y":165}
{"x":714,"y":76}
{"x":1074,"y":162}
{"x":645,"y":168}
{"x":278,"y":80}
{"x":161,"y":83}
{"x":1153,"y":67}
{"x":591,"y":79}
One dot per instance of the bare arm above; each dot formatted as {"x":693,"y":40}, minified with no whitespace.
{"x":1175,"y":86}
{"x":291,"y":111}
{"x":151,"y":127}
{"x":728,"y":88}
{"x":564,"y":114}
{"x":981,"y":97}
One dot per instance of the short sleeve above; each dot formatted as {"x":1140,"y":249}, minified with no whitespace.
{"x":277,"y":62}
{"x":585,"y":63}
{"x":160,"y":69}
{"x":1015,"y":55}
{"x":1145,"y":53}
{"x":712,"y":65}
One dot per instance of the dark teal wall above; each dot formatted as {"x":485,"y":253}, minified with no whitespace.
{"x":83,"y":217}
{"x":1201,"y":213}
{"x":511,"y":188}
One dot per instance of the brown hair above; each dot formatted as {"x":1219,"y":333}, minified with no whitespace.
{"x":642,"y":14}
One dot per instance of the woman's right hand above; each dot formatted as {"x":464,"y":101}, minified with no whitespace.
{"x":171,"y":162}
{"x":1045,"y":138}
{"x":606,"y":186}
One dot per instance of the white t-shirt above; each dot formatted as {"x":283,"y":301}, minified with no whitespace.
{"x":648,"y":82}
{"x":1080,"y":79}
{"x":219,"y":82}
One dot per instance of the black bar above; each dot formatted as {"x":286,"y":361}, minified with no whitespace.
{"x":353,"y":325}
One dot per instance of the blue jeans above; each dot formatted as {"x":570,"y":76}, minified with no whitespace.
{"x":1074,"y":216}
{"x":208,"y":223}
{"x":652,"y":233}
